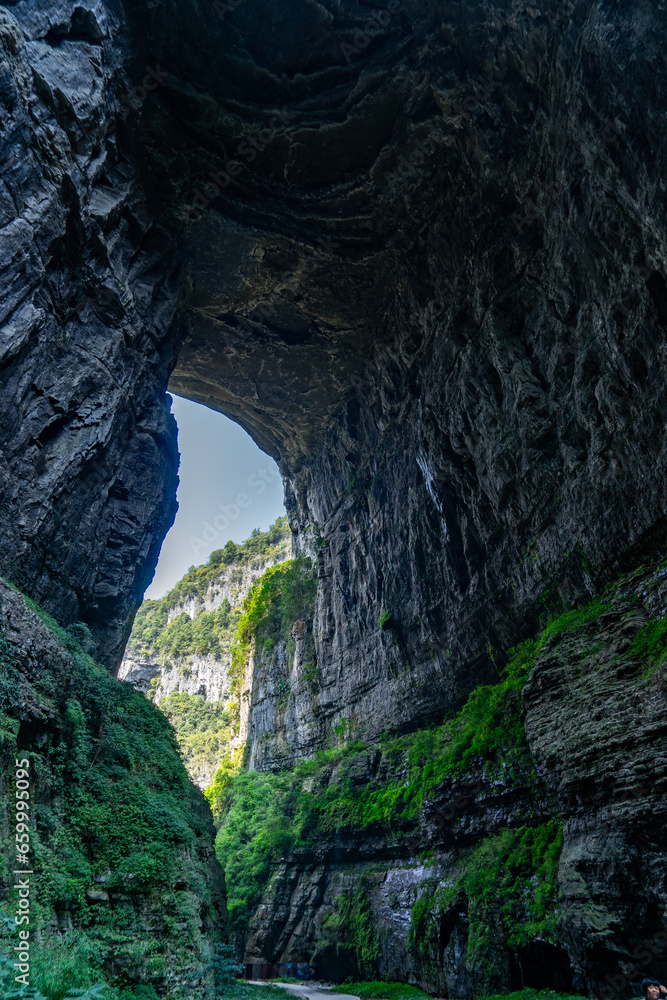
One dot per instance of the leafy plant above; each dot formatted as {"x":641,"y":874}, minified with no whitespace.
{"x":650,"y":644}
{"x":10,"y":990}
{"x":120,"y":817}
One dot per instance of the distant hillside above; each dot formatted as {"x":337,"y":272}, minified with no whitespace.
{"x":195,"y":617}
{"x":180,"y":651}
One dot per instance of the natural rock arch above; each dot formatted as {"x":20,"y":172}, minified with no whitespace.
{"x":435,"y":296}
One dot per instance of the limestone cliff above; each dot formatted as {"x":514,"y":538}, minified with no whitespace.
{"x":181,"y":650}
{"x":482,"y":860}
{"x":472,"y":369}
{"x":160,"y":660}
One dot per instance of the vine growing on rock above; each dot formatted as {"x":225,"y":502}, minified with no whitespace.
{"x":512,"y":874}
{"x":284,"y":595}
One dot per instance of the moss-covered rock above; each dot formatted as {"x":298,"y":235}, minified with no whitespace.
{"x":125,"y":885}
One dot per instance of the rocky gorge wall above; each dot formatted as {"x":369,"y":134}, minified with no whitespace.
{"x":194,"y":672}
{"x":123,"y":883}
{"x":525,"y":849}
{"x":470,"y":371}
{"x":89,"y":454}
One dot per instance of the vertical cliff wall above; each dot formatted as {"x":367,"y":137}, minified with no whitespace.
{"x":454,"y":347}
{"x":89,"y":458}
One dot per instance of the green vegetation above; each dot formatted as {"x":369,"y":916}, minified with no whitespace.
{"x":650,"y":645}
{"x":208,"y":632}
{"x":513,"y":874}
{"x":262,"y":814}
{"x":350,"y":788}
{"x":384,"y":620}
{"x":283,"y":596}
{"x":381,"y":991}
{"x":351,"y":927}
{"x":115,"y":819}
{"x":202,"y":730}
{"x":10,"y":990}
{"x":262,"y":546}
{"x":237,"y":989}
{"x":256,"y":830}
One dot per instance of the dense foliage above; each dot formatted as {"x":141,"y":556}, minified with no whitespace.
{"x":283,"y":595}
{"x":115,"y":817}
{"x":650,"y":645}
{"x":209,"y":632}
{"x":202,"y":729}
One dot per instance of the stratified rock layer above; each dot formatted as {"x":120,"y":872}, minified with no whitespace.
{"x":435,"y":293}
{"x":595,"y":715}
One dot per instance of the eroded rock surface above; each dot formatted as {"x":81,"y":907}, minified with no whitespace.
{"x":435,"y":293}
{"x":88,"y":444}
{"x":422,"y":259}
{"x":595,"y":719}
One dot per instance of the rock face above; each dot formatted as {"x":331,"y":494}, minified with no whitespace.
{"x":462,"y":380}
{"x":124,"y":882}
{"x":207,"y":675}
{"x":89,"y":458}
{"x":595,"y":719}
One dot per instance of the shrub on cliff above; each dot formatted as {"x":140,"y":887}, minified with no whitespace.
{"x":120,"y":839}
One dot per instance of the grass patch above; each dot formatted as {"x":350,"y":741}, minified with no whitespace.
{"x":240,"y":990}
{"x":375,"y":990}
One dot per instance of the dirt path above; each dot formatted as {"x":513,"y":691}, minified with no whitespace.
{"x":309,"y":991}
